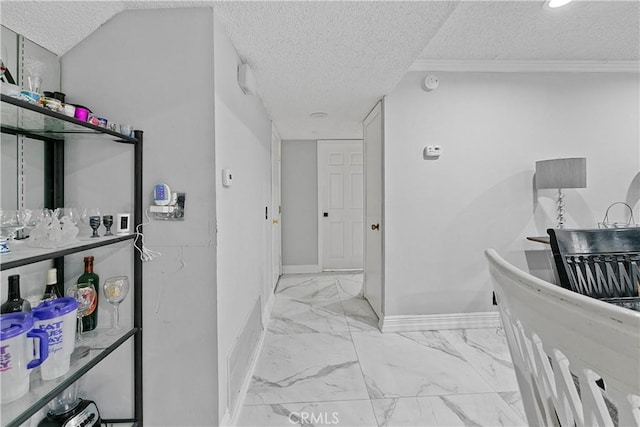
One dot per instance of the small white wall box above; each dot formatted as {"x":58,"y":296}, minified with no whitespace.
{"x":246,"y":79}
{"x":431,"y":151}
{"x":227,"y":178}
{"x":123,"y":223}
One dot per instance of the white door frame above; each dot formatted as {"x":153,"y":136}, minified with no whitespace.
{"x":321,"y":201}
{"x":374,"y":294}
{"x":276,"y":206}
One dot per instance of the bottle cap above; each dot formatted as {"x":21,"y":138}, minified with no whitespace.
{"x":52,"y":276}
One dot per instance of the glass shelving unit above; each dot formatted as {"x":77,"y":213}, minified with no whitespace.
{"x":19,"y":117}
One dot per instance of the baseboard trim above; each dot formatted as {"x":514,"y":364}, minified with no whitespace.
{"x":266,"y":311}
{"x":232,"y":419}
{"x":440,"y":321}
{"x":298,"y":269}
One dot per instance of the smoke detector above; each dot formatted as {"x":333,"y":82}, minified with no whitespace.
{"x":430,"y":83}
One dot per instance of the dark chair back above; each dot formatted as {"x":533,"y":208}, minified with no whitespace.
{"x":600,"y":263}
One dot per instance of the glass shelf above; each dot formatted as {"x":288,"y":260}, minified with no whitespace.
{"x":22,"y":254}
{"x":18,"y":117}
{"x":41,"y":392}
{"x":24,"y":118}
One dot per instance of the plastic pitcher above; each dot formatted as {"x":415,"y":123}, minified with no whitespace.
{"x":16,"y":354}
{"x":57,"y":317}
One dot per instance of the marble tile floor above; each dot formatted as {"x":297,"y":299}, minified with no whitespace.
{"x":324,"y":363}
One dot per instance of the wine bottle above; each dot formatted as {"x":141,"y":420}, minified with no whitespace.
{"x":51,"y":291}
{"x":14,"y":302}
{"x":90,"y":319}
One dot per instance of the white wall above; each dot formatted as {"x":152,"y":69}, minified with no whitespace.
{"x":181,"y":88}
{"x":299,"y":203}
{"x":442,"y":214}
{"x":243,"y":144}
{"x":134,"y":70}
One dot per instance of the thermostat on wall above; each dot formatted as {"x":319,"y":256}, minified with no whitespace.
{"x":432,"y":151}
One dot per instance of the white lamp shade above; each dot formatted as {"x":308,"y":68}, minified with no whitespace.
{"x":561,"y":173}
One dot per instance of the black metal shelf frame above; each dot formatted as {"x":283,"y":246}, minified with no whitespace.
{"x":25,"y":415}
{"x":22,"y":118}
{"x":53,"y":254}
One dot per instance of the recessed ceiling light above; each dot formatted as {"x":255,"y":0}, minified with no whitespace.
{"x":557,"y":3}
{"x":318,"y":115}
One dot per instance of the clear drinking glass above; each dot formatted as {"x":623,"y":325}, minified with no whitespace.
{"x":11,"y":221}
{"x":85,"y":295}
{"x":71,"y":213}
{"x":88,"y":213}
{"x":115,"y":290}
{"x":38,"y":215}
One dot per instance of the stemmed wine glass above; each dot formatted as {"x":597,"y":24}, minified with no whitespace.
{"x":94,"y":223}
{"x":107,"y":221}
{"x":71,"y":213}
{"x":115,"y":291}
{"x":87,"y":213}
{"x":85,"y":295}
{"x":37,"y":215}
{"x":12,"y":221}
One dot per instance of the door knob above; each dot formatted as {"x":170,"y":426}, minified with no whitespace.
{"x":275,"y":220}
{"x":375,"y":226}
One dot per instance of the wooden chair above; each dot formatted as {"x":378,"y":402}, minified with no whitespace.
{"x":576,"y":358}
{"x":600,"y":263}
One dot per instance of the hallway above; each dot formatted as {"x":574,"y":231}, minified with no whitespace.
{"x":324,"y":362}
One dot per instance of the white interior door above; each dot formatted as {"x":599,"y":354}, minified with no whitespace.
{"x":276,"y":208}
{"x":341,"y":204}
{"x":374,"y":230}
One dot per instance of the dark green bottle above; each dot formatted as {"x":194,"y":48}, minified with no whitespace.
{"x":14,"y":302}
{"x":90,"y":319}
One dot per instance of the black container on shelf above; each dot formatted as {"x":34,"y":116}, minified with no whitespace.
{"x":14,"y":302}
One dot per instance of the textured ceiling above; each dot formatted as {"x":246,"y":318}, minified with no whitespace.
{"x":525,"y":30}
{"x":340,"y":57}
{"x":335,"y":57}
{"x":56,"y":25}
{"x":60,"y":25}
